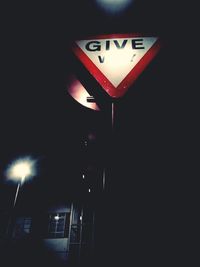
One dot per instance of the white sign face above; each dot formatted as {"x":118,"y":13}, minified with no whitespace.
{"x":115,"y":58}
{"x":112,"y":60}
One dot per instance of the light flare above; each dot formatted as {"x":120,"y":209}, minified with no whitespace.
{"x":21,"y":169}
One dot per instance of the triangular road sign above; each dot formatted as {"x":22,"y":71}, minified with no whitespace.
{"x":116,"y":60}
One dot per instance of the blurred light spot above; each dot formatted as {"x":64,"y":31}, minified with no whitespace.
{"x":21,"y":169}
{"x":56,"y":217}
{"x":91,"y":137}
{"x":114,"y":6}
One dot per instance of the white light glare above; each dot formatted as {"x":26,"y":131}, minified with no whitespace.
{"x":57,"y":217}
{"x":21,"y":169}
{"x":114,"y":6}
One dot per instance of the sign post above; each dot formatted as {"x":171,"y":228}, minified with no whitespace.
{"x":115,"y":61}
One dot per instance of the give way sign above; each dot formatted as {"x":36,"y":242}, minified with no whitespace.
{"x":116,"y":60}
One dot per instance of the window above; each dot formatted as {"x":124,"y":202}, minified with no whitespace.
{"x":22,"y":227}
{"x":58,"y":225}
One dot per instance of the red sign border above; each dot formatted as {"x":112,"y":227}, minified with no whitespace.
{"x":131,"y":77}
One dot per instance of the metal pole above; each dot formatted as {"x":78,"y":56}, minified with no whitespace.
{"x":11,"y":217}
{"x":93,"y":230}
{"x":70,"y":226}
{"x":16,"y":194}
{"x":81,"y":233}
{"x":112,"y":130}
{"x":104,"y":179}
{"x":112,"y":114}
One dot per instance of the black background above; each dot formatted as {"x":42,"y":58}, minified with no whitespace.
{"x":149,"y":206}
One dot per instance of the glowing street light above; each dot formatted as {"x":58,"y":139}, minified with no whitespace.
{"x":20,"y":170}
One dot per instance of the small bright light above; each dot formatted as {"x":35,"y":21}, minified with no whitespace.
{"x":21,"y":169}
{"x":83,"y":176}
{"x":56,"y":217}
{"x":114,"y":6}
{"x":81,"y":218}
{"x":89,"y":190}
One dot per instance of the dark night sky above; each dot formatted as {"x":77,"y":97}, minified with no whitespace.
{"x":36,"y":110}
{"x":154,"y":145}
{"x":37,"y":114}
